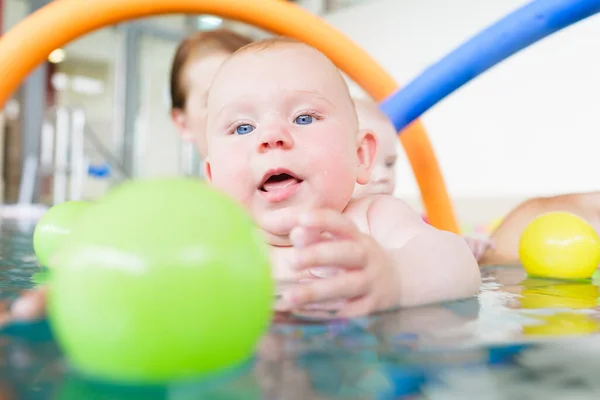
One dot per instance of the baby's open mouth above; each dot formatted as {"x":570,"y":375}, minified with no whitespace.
{"x":278,"y":182}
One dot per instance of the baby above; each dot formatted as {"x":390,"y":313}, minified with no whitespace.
{"x":383,"y":175}
{"x":283,"y":139}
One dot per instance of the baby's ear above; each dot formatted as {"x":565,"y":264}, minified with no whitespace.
{"x":207,"y":171}
{"x":179,"y":119}
{"x":366,"y":150}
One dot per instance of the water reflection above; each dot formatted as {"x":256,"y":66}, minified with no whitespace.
{"x":537,"y":308}
{"x":237,"y":384}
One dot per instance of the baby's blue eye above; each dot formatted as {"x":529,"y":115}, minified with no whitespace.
{"x":244,"y":129}
{"x":304,"y":120}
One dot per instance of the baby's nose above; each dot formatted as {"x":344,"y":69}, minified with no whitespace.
{"x":275,"y":137}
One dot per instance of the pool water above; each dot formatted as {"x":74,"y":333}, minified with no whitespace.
{"x":520,"y":338}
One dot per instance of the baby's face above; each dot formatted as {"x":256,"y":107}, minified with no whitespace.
{"x":282,"y":135}
{"x":383,"y":175}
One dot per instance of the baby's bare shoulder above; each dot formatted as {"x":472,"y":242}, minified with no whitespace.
{"x":391,"y":220}
{"x":358,"y":205}
{"x":357,"y":211}
{"x":382,"y":214}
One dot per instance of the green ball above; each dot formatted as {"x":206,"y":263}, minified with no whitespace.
{"x":162,"y":280}
{"x":55,"y":227}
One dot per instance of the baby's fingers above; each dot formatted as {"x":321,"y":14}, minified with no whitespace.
{"x":30,"y":306}
{"x":340,"y":254}
{"x":344,"y":286}
{"x":479,"y":246}
{"x":302,"y":237}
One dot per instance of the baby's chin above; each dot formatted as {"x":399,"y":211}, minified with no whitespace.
{"x":278,"y":224}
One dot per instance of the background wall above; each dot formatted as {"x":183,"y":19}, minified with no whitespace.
{"x":527,"y":127}
{"x":530,"y":126}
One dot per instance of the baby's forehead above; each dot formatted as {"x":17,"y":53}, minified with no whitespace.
{"x":289,"y":64}
{"x":283,"y":51}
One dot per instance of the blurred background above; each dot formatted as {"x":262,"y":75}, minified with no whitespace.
{"x":528,"y":127}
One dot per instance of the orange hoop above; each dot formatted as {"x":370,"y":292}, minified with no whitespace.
{"x":28,"y":44}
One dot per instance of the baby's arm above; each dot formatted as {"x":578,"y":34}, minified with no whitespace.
{"x":507,"y":234}
{"x":432,"y":265}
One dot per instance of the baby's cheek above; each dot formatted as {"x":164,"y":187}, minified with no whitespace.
{"x":337,"y":173}
{"x":330,"y":148}
{"x":233,"y":178}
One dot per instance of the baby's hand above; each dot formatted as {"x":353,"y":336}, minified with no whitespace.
{"x":342,"y":264}
{"x":479,"y":246}
{"x":30,"y":306}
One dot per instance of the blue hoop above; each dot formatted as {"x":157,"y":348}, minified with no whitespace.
{"x":506,"y":37}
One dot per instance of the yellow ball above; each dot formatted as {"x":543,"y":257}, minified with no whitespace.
{"x":559,"y":245}
{"x":562,"y":324}
{"x":546,"y":293}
